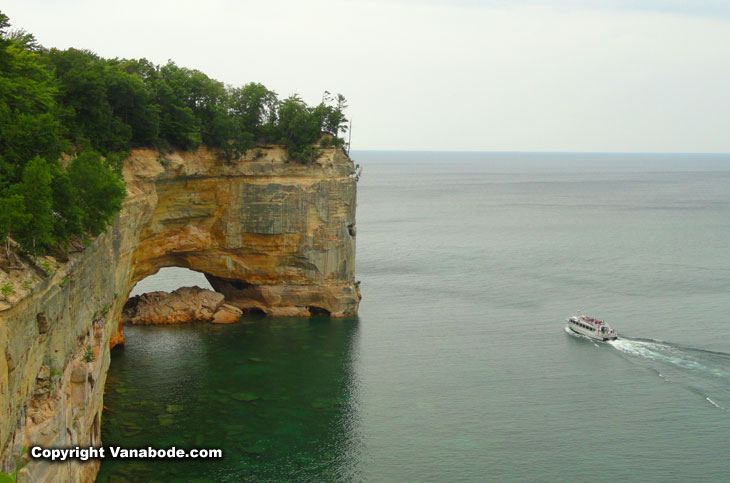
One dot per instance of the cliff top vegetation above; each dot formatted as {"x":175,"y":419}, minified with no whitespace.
{"x":95,"y":110}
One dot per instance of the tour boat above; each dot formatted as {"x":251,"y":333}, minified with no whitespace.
{"x":592,"y":328}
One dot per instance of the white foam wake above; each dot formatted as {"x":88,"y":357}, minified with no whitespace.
{"x":665,"y":353}
{"x":701,"y":372}
{"x":713,"y":403}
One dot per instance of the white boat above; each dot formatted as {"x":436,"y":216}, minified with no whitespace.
{"x":592,"y":328}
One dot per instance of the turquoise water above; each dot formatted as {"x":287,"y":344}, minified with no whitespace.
{"x":458,"y":367}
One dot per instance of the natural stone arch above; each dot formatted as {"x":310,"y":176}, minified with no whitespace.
{"x":271,"y":236}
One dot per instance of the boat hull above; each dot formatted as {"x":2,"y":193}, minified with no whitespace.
{"x":590,"y":334}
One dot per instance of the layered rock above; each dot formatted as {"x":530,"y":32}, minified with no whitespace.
{"x":269,"y":235}
{"x":186,"y":304}
{"x":286,"y":229}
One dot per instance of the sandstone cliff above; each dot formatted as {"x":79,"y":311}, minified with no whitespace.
{"x":272,"y":236}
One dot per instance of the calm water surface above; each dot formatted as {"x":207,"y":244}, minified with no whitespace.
{"x":458,"y":367}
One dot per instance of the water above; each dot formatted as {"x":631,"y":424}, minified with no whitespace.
{"x":458,"y":367}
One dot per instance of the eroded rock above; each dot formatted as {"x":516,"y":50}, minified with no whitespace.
{"x":273,"y":237}
{"x":227,"y":314}
{"x":186,"y":304}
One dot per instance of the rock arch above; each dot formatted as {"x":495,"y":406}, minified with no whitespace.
{"x":272,"y":236}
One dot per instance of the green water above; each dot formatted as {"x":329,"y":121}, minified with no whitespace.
{"x":458,"y":367}
{"x":275,"y":397}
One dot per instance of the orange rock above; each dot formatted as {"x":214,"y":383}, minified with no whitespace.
{"x":227,"y":314}
{"x":271,"y":236}
{"x":117,"y":337}
{"x":186,"y":304}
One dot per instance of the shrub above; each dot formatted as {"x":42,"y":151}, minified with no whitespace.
{"x":89,"y":354}
{"x":47,"y":267}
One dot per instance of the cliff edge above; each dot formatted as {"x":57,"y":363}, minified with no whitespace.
{"x":270,"y":235}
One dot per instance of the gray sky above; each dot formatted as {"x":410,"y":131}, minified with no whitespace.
{"x":516,"y":75}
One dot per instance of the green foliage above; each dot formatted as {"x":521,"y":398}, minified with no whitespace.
{"x":45,"y":96}
{"x":99,"y":190}
{"x":4,"y":24}
{"x":65,"y":281}
{"x":46,"y":266}
{"x":29,"y":124}
{"x":7,"y":289}
{"x":54,"y":101}
{"x":333,"y":118}
{"x":20,"y":461}
{"x":253,"y":110}
{"x":299,"y":128}
{"x":89,"y":354}
{"x":35,"y":187}
{"x":12,"y":214}
{"x":68,"y":214}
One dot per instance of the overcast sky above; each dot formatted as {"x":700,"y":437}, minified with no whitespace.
{"x":497,"y":75}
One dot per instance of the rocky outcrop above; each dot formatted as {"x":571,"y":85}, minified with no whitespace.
{"x":280,"y":230}
{"x":186,"y":304}
{"x":270,"y":235}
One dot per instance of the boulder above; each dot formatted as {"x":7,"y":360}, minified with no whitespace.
{"x":227,"y":314}
{"x":186,"y":304}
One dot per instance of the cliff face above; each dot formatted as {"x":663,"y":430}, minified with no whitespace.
{"x":271,"y":236}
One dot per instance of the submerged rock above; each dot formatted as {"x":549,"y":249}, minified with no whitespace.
{"x":245,"y":396}
{"x":185,"y":304}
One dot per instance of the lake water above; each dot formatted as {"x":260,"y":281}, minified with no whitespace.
{"x":458,"y":367}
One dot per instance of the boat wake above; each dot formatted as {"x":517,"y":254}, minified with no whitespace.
{"x":705,"y":373}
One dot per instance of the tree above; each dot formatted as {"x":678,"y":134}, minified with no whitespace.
{"x":299,"y":128}
{"x":36,"y":232}
{"x":68,"y":216}
{"x":29,"y":124}
{"x":24,"y":39}
{"x":333,"y":118}
{"x":137,"y":118}
{"x":4,"y":24}
{"x":54,"y":100}
{"x":172,"y":92}
{"x":253,"y":112}
{"x":99,"y":190}
{"x":85,"y":81}
{"x":253,"y":106}
{"x":12,"y":215}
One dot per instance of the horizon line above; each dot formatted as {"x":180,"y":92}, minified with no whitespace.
{"x":544,"y":152}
